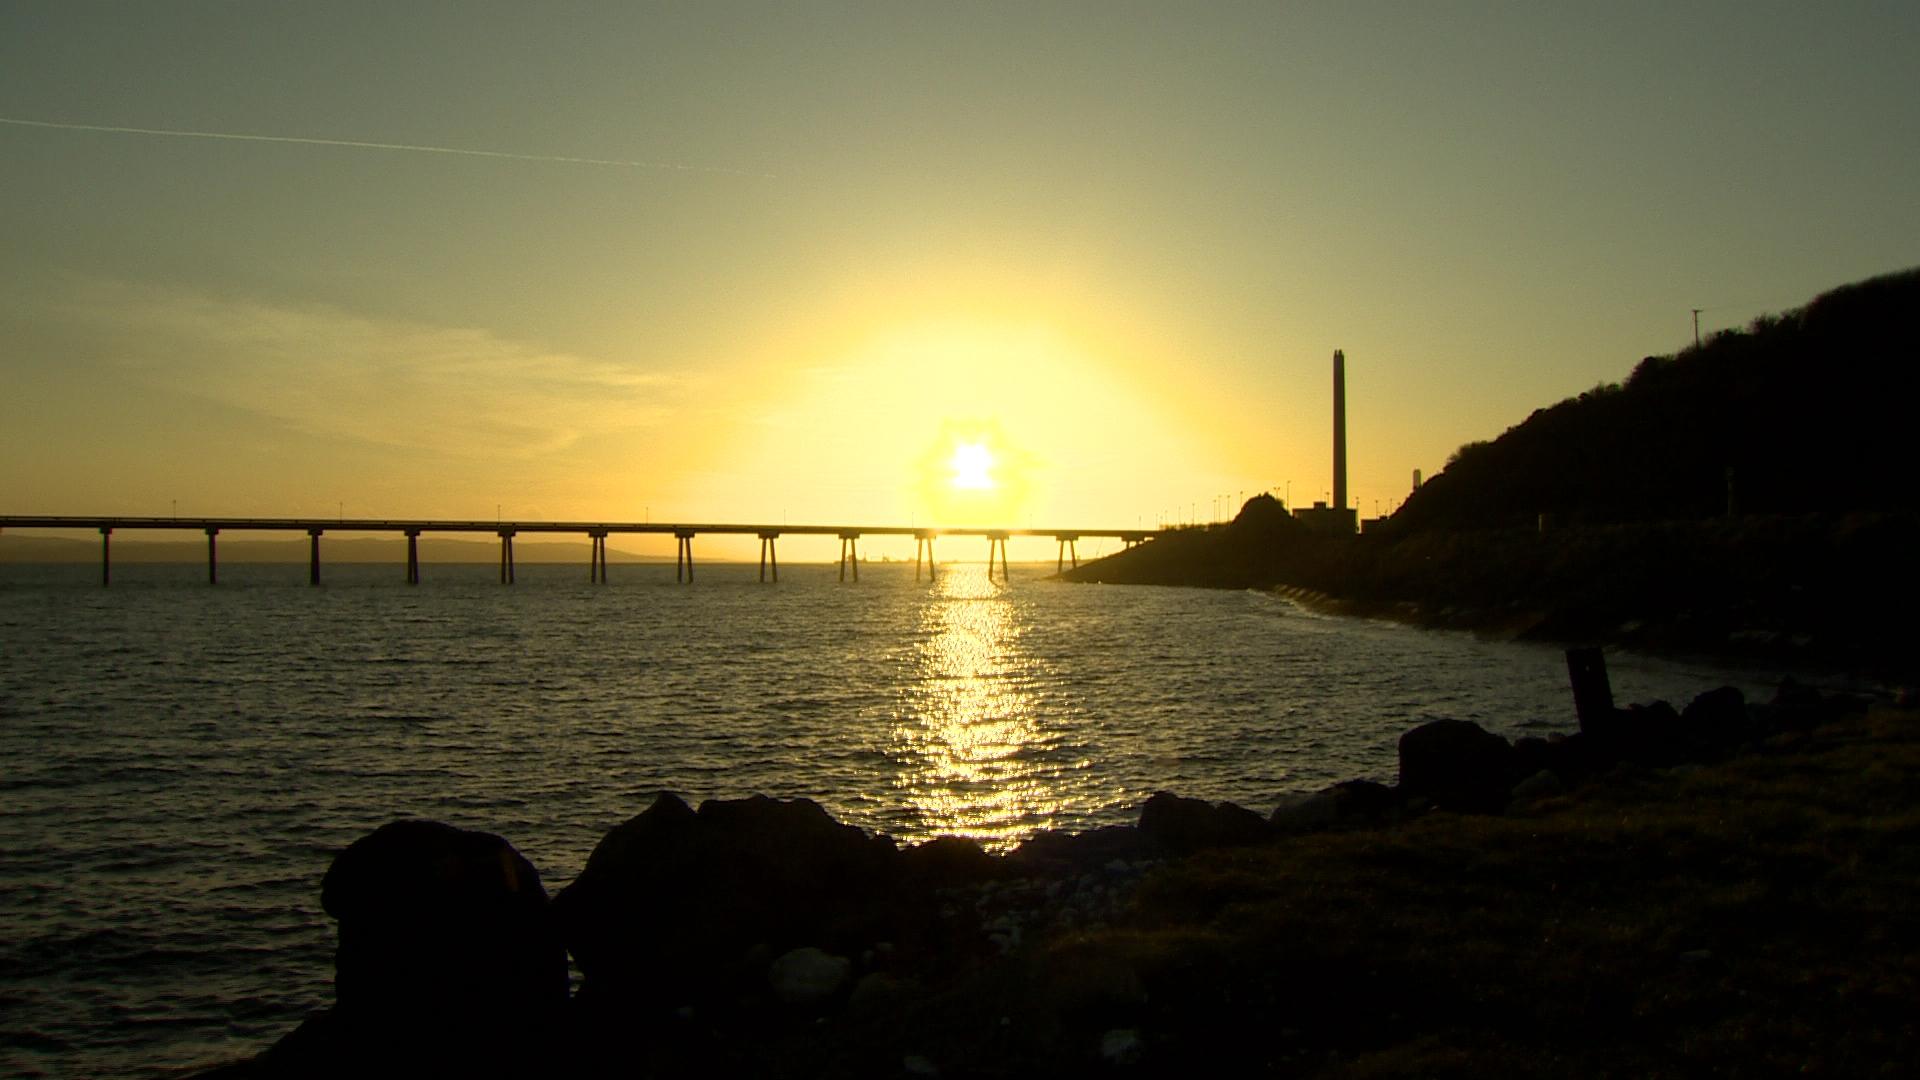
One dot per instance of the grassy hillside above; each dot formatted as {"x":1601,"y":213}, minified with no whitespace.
{"x":1811,"y":410}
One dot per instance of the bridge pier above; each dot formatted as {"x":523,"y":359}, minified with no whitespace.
{"x":769,"y":557}
{"x":1068,"y":545}
{"x":997,"y":541}
{"x":849,"y":552}
{"x":597,"y":571}
{"x":506,"y":556}
{"x":922,"y":541}
{"x":106,"y":570}
{"x":413,"y":556}
{"x":213,"y":576}
{"x":313,"y":556}
{"x":683,"y":556}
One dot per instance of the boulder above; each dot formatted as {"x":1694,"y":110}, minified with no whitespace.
{"x":808,"y":976}
{"x":947,"y":862}
{"x":1644,"y":735}
{"x":1458,"y":764}
{"x":448,"y":959}
{"x":1544,"y":784}
{"x":1348,"y":804}
{"x":1182,"y":825}
{"x":1572,"y":757}
{"x":1718,"y":720}
{"x":437,"y":917}
{"x":673,"y":903}
{"x":1051,"y":853}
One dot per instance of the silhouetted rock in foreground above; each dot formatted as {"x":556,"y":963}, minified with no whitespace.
{"x":1458,"y":765}
{"x":448,"y":959}
{"x":676,"y":907}
{"x":1346,"y":805}
{"x":1186,"y":825}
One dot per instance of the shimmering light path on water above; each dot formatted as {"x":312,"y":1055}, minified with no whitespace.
{"x":182,"y":761}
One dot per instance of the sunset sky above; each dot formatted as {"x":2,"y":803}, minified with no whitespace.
{"x":728,"y":262}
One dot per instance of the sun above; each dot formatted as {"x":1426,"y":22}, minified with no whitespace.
{"x":972,"y":467}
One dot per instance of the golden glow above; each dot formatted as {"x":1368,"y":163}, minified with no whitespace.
{"x":973,"y":467}
{"x":865,"y":419}
{"x":971,"y":743}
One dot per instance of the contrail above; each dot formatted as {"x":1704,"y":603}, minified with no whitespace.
{"x":359,"y":145}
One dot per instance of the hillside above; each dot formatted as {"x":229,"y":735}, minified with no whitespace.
{"x":1811,"y":410}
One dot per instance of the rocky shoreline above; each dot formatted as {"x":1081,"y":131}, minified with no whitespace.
{"x":761,"y":937}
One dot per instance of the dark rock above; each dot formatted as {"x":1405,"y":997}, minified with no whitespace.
{"x":1182,"y":825}
{"x":448,"y":959}
{"x":1573,"y":757}
{"x":673,"y":903}
{"x":1544,"y":784}
{"x":807,"y":976}
{"x":1803,"y":708}
{"x":1457,"y":764}
{"x":1348,"y":804}
{"x":947,"y":862}
{"x":1644,"y":735}
{"x":430,"y":914}
{"x":1718,"y":719}
{"x":1051,"y":853}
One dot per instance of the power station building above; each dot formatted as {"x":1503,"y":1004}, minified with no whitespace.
{"x":1338,"y":519}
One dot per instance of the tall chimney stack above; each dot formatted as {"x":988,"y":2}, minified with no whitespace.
{"x":1339,"y":429}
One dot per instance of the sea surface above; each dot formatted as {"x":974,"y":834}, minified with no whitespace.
{"x":179,"y":762}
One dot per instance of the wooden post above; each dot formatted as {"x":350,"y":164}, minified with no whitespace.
{"x":1592,"y":693}
{"x":413,"y":556}
{"x":213,"y":576}
{"x":313,"y":556}
{"x":106,"y":570}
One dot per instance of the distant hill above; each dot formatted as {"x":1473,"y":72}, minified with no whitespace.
{"x":1812,"y":410}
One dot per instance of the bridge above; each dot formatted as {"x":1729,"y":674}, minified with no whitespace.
{"x":596,"y":531}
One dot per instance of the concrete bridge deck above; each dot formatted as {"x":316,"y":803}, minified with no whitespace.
{"x":597,"y":531}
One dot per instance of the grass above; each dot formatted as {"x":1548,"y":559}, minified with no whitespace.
{"x":1753,"y":917}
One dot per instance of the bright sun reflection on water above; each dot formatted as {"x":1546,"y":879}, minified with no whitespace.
{"x":971,"y":747}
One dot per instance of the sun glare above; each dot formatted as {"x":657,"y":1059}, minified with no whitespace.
{"x":972,"y":467}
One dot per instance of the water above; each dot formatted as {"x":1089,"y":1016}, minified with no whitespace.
{"x":181,"y":762}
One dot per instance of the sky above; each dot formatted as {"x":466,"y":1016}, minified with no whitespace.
{"x":744,"y":262}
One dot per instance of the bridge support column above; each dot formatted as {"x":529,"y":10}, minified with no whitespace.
{"x":1069,"y":545}
{"x":106,"y":567}
{"x":997,"y":542}
{"x":683,"y":556}
{"x":213,"y":575}
{"x":413,"y":556}
{"x":313,"y":556}
{"x":506,"y":556}
{"x":597,"y":560}
{"x":769,"y":557}
{"x":849,"y":553}
{"x":922,"y":541}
